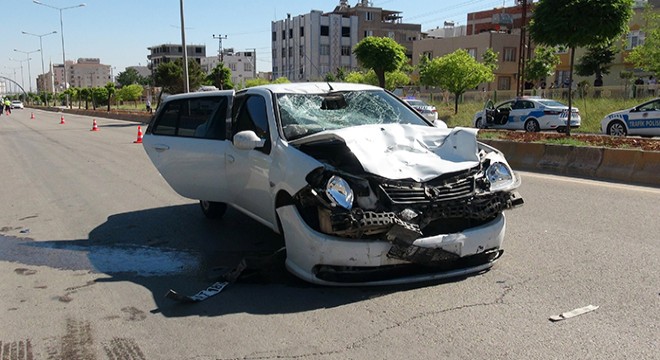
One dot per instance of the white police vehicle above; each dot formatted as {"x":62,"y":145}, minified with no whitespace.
{"x":643,"y":119}
{"x":526,"y":113}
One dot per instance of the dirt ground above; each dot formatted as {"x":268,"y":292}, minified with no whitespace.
{"x":593,"y":140}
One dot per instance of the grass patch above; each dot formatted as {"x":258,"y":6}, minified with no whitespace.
{"x":566,"y":141}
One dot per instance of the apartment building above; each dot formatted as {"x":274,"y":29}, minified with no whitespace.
{"x":169,"y":52}
{"x":309,"y":46}
{"x":83,"y":73}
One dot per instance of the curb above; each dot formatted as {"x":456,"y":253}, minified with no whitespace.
{"x":620,"y":165}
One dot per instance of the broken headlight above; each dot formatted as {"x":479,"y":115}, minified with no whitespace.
{"x":339,"y":192}
{"x":499,"y":176}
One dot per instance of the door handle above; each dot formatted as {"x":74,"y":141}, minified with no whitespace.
{"x":161,"y":148}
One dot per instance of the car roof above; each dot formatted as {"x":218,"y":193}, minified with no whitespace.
{"x":198,"y":94}
{"x":314,"y":87}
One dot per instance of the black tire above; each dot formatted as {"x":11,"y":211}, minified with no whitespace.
{"x":212,"y":209}
{"x":480,"y":124}
{"x":532,"y":126}
{"x":616,"y":128}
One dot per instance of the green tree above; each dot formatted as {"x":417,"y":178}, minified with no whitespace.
{"x":542,"y":64}
{"x":85,"y":94}
{"x":583,"y":23}
{"x":380,"y":54}
{"x":255,"y":82}
{"x":489,"y":59}
{"x":393,"y":79}
{"x":596,"y":61}
{"x":128,"y":77}
{"x":169,"y":76}
{"x":220,"y":77}
{"x":281,"y":80}
{"x":110,"y":88}
{"x":647,"y":55}
{"x":456,"y":73}
{"x":130,"y":93}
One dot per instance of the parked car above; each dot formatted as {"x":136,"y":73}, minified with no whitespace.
{"x":362,"y":188}
{"x":643,"y":119}
{"x":17,"y":104}
{"x":427,"y":110}
{"x":526,"y":113}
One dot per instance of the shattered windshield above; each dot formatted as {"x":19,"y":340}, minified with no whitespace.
{"x":306,"y":114}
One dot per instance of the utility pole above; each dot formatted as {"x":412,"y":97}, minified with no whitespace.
{"x":220,"y":38}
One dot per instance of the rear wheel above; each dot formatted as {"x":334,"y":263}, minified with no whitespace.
{"x":212,"y":209}
{"x":532,"y":126}
{"x":616,"y":128}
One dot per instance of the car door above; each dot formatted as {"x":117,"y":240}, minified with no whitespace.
{"x":187,"y":142}
{"x":248,"y":171}
{"x":519,"y":112}
{"x":645,"y":120}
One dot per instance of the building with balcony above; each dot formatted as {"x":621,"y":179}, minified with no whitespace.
{"x":163,"y":53}
{"x":241,"y":63}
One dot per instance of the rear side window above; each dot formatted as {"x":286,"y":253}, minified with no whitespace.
{"x":195,"y":117}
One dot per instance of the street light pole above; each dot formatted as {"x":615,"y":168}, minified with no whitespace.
{"x":27,"y":57}
{"x":22,"y":76}
{"x":61,"y":33}
{"x":41,"y":48}
{"x":186,"y":79}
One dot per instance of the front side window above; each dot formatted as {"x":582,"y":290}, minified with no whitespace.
{"x":203,"y":117}
{"x":250,"y":113}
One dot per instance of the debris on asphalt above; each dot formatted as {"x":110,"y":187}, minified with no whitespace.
{"x":573,"y":313}
{"x":230,"y":276}
{"x":25,"y":231}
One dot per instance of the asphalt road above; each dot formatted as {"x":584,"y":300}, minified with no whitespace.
{"x":91,"y":238}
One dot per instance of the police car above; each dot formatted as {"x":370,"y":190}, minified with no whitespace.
{"x":526,"y":113}
{"x":427,"y":110}
{"x":643,"y":119}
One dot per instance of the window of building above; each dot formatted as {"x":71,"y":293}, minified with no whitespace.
{"x":324,"y":49}
{"x":368,"y":33}
{"x":301,"y":50}
{"x":509,"y":54}
{"x":232,"y":66}
{"x":274,"y":35}
{"x":283,"y":35}
{"x":247,"y":66}
{"x":302,"y":31}
{"x":634,"y":39}
{"x":290,"y":51}
{"x":325,"y":30}
{"x":504,"y":83}
{"x":390,"y":34}
{"x":472,"y":52}
{"x":428,"y":54}
{"x":198,"y":50}
{"x":346,"y":31}
{"x":283,"y":52}
{"x":290,"y":33}
{"x":346,"y":50}
{"x":369,"y":16}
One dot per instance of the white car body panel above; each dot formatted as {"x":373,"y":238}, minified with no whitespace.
{"x":518,"y":117}
{"x":407,"y":151}
{"x":312,"y":248}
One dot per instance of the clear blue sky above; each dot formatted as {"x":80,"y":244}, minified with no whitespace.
{"x":119,"y":31}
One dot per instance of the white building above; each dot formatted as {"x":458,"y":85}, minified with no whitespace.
{"x":242,"y":64}
{"x":309,"y":46}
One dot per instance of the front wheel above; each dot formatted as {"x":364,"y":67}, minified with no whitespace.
{"x":532,"y":126}
{"x":212,"y":209}
{"x":616,"y":128}
{"x":480,"y":124}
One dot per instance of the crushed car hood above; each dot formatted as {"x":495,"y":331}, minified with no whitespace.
{"x":401,"y":151}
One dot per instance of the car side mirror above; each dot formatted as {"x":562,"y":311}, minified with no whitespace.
{"x":248,"y":140}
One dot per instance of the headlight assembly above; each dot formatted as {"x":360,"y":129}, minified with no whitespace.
{"x":339,"y":192}
{"x":500,"y":176}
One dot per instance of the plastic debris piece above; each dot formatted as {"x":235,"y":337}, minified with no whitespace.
{"x":25,"y":231}
{"x":573,"y":313}
{"x":202,"y":295}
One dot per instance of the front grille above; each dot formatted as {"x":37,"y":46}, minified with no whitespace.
{"x":421,"y":193}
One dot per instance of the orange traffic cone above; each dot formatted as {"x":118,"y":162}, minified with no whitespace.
{"x":139,"y":138}
{"x":32,"y":116}
{"x":62,"y":120}
{"x":94,"y":126}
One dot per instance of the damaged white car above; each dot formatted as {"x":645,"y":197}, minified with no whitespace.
{"x":363,"y":188}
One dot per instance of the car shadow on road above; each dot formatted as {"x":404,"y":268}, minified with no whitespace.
{"x":177,"y":248}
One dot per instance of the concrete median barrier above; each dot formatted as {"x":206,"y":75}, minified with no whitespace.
{"x":621,"y":165}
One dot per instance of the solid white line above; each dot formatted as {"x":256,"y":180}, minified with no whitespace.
{"x":590,"y":182}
